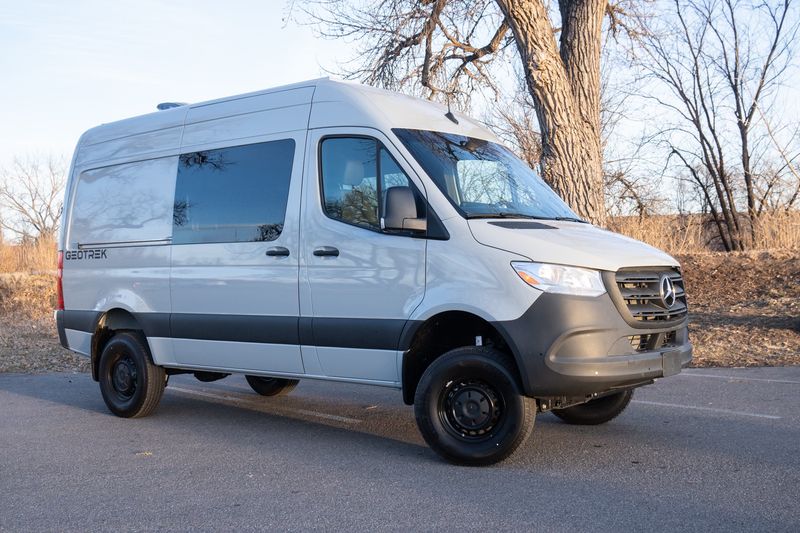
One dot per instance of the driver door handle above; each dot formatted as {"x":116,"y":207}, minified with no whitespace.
{"x":278,"y":251}
{"x":326,"y":251}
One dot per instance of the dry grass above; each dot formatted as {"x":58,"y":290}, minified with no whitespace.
{"x":27,"y":295}
{"x":684,"y":234}
{"x":32,"y":258}
{"x":27,"y":280}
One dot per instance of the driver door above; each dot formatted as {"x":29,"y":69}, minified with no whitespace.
{"x":359,"y":283}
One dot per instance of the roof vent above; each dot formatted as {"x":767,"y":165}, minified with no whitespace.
{"x":169,"y":105}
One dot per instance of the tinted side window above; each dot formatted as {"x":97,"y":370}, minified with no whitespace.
{"x":351,"y":168}
{"x":235,"y":194}
{"x":349,"y":180}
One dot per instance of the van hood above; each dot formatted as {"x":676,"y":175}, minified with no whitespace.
{"x":567,"y":243}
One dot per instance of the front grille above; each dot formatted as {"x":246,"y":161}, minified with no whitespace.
{"x":641,"y":291}
{"x":652,"y":341}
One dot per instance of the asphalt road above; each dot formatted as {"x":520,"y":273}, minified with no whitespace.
{"x":710,"y":449}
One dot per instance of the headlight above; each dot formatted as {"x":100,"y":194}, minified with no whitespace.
{"x":560,"y":279}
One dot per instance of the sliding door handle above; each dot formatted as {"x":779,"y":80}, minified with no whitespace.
{"x":326,"y":251}
{"x":278,"y":251}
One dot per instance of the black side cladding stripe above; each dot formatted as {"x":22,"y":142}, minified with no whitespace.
{"x":154,"y":324}
{"x":237,"y":328}
{"x":306,"y":331}
{"x":365,"y":333}
{"x":360,"y":333}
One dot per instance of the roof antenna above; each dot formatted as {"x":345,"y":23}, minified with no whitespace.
{"x":169,"y":105}
{"x":449,"y":113}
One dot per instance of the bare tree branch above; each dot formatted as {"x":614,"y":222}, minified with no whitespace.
{"x":30,"y":197}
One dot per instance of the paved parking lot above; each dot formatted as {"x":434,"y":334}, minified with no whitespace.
{"x":711,"y":449}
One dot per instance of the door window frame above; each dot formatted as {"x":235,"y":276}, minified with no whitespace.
{"x":430,"y":214}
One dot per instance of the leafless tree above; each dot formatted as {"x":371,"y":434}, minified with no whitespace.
{"x":781,"y":189}
{"x":31,"y":192}
{"x":515,"y":124}
{"x":450,"y":49}
{"x":721,"y":62}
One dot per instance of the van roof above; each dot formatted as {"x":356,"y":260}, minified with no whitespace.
{"x":333,"y":103}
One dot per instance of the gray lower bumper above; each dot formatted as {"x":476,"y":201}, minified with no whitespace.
{"x":572,"y":346}
{"x":640,"y":366}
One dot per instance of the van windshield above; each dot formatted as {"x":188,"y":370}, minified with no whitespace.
{"x":483,"y":179}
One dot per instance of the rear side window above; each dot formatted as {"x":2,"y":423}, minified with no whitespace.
{"x":356,"y":173}
{"x":126,"y":203}
{"x":235,"y":194}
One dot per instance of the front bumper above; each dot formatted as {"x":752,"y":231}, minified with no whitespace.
{"x":575,"y":346}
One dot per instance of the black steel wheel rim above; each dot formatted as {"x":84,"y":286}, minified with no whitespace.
{"x":124,"y":376}
{"x":471,"y":409}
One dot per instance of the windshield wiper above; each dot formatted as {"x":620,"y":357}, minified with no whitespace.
{"x":522,"y":215}
{"x":504,"y":215}
{"x":570,"y":219}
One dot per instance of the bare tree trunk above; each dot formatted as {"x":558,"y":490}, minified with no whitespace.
{"x":748,"y":182}
{"x":565,"y":85}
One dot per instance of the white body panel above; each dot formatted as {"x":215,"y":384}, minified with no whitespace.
{"x":247,"y":356}
{"x":476,"y":279}
{"x":79,"y":341}
{"x":359,"y":363}
{"x":133,"y":278}
{"x":572,"y":243}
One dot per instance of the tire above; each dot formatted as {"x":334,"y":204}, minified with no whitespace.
{"x":494,"y":418}
{"x":597,"y":411}
{"x":130,"y":383}
{"x":272,"y":386}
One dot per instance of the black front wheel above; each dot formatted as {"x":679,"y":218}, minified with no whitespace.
{"x":597,"y":411}
{"x":271,"y":386}
{"x":470,"y":409}
{"x":130,"y":383}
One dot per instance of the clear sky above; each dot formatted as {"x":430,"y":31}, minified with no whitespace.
{"x":66,"y":66}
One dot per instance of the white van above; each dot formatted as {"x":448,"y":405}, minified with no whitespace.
{"x":330,"y":230}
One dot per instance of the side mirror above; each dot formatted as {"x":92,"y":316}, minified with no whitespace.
{"x":401,"y":211}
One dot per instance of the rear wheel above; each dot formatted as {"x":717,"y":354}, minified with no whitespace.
{"x":470,"y":408}
{"x":130,"y":383}
{"x":597,"y":411}
{"x":271,"y":386}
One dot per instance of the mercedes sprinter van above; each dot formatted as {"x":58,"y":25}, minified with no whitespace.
{"x":329,"y":230}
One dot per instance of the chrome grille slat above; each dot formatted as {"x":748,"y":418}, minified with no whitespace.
{"x":640,"y":290}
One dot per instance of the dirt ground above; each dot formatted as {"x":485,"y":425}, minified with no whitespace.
{"x":744,"y":311}
{"x":744,"y":308}
{"x":31,"y":345}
